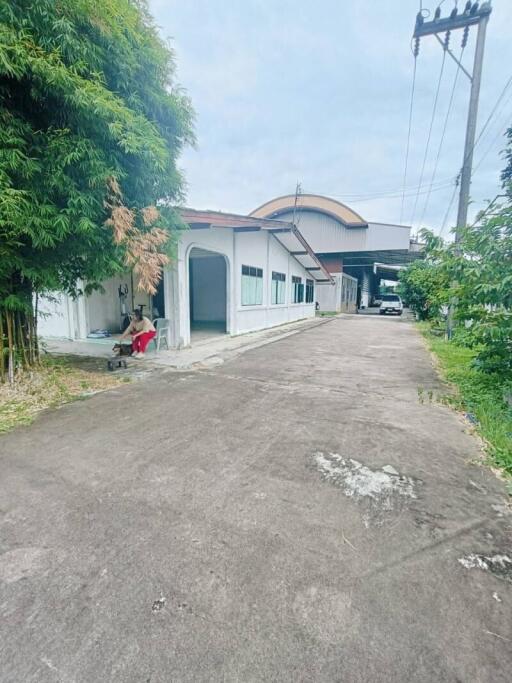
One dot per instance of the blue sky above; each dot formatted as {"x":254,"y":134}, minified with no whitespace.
{"x":318,"y":92}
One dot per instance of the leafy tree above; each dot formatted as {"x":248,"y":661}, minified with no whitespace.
{"x":91,"y":125}
{"x":424,"y":284}
{"x":483,"y":276}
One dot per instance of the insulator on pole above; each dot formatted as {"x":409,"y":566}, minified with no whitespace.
{"x":447,"y":39}
{"x":465,"y":37}
{"x":416,"y":50}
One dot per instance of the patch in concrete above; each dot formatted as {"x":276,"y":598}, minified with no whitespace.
{"x":359,"y":480}
{"x":159,"y":604}
{"x":499,"y":565}
{"x":384,"y":489}
{"x":389,"y":469}
{"x":21,"y":563}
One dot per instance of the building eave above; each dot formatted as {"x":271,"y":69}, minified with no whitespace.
{"x":285,"y":232}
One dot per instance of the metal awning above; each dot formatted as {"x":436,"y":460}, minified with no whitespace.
{"x":387,"y":271}
{"x":284,"y":232}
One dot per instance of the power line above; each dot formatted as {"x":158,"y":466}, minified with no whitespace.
{"x":441,"y":141}
{"x":389,"y":195}
{"x":499,"y":134}
{"x":409,"y":130}
{"x":479,"y":137}
{"x":434,"y":109}
{"x":502,"y":129}
{"x":445,"y":219}
{"x":383,"y":193}
{"x":492,"y":204}
{"x":493,"y":111}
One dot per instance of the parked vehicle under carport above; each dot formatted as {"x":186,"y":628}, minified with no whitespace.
{"x":391,"y":303}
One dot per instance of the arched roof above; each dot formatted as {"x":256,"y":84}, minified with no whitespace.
{"x":311,"y":202}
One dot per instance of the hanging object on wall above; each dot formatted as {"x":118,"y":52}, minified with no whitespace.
{"x":122,"y":291}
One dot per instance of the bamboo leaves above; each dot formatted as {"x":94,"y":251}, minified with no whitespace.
{"x":87,"y":94}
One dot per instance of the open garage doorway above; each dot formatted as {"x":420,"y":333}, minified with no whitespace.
{"x":207,"y":294}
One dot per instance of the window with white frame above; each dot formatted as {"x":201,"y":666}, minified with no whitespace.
{"x":252,"y":286}
{"x":310,"y":291}
{"x":278,"y":288}
{"x":297,"y":290}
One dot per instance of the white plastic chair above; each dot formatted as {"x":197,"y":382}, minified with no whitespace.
{"x":162,"y":326}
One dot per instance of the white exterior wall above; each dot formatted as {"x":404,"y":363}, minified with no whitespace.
{"x":259,"y":249}
{"x":177,"y":307}
{"x":251,"y":249}
{"x":103,"y":309}
{"x":61,"y":317}
{"x":331,"y":298}
{"x":262,"y":250}
{"x":281,"y":262}
{"x":326,"y":234}
{"x":56,"y":317}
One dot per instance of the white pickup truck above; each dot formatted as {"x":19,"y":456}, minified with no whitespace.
{"x":391,"y":303}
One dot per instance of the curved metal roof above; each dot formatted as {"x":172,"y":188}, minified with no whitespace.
{"x":311,"y":202}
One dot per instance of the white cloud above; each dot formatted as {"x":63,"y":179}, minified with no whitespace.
{"x":319,"y":92}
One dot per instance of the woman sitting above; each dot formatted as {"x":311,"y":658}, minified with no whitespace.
{"x":142,"y":331}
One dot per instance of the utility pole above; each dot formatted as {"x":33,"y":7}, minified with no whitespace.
{"x":472,"y":15}
{"x":465,"y":175}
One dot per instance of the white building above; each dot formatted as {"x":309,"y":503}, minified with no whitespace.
{"x":345,"y":242}
{"x":342,"y":298}
{"x":233,"y":274}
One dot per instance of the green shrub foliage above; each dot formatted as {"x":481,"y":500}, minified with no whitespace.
{"x":88,"y":102}
{"x":476,"y":274}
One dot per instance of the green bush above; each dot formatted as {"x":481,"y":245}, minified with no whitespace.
{"x":423,"y":287}
{"x":476,"y":275}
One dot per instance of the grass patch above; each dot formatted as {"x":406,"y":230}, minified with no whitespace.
{"x":482,"y":396}
{"x":58,"y":380}
{"x":326,"y":314}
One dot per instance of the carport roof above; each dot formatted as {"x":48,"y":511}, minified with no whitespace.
{"x":284,"y":232}
{"x":387,"y":271}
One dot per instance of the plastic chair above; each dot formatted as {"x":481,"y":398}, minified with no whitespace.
{"x":162,"y":326}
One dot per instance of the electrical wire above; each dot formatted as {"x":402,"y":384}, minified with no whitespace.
{"x":493,"y":111}
{"x":409,"y":191}
{"x":354,"y":199}
{"x":491,"y":205}
{"x":501,"y":133}
{"x":434,"y":109}
{"x":502,"y":129}
{"x":441,"y":141}
{"x":445,"y":219}
{"x":409,"y":132}
{"x":488,"y":120}
{"x":479,"y":137}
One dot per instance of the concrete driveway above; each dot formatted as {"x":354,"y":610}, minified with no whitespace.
{"x":303,"y":512}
